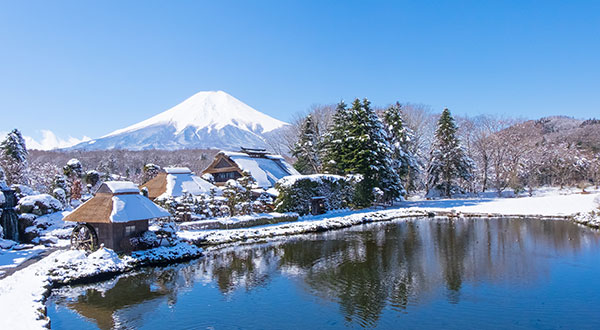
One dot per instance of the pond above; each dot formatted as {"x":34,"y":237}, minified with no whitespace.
{"x":476,"y":273}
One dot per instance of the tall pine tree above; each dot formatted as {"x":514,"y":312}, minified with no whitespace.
{"x":399,"y":137}
{"x":448,"y":162}
{"x":306,"y":149}
{"x":335,"y":141}
{"x":13,"y":158}
{"x":356,"y":144}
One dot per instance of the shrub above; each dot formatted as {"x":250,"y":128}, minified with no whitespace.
{"x":297,"y":191}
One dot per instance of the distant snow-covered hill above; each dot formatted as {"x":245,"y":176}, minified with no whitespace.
{"x":205,"y":120}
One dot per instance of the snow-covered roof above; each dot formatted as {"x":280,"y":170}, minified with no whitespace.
{"x":121,"y":187}
{"x":266,"y":170}
{"x":127,"y":208}
{"x":179,"y":181}
{"x":117,"y":201}
{"x":177,"y":170}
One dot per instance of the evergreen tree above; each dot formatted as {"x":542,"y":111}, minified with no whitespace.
{"x":231,"y":193}
{"x":92,"y":178}
{"x":335,"y":140}
{"x":73,"y":169}
{"x":399,"y":137}
{"x":13,"y":158}
{"x":238,"y":194}
{"x":60,"y":182}
{"x":150,"y":172}
{"x":74,"y":172}
{"x":245,"y":194}
{"x":357,"y":145}
{"x":449,"y":162}
{"x":306,"y":149}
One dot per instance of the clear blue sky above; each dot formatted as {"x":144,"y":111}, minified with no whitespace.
{"x":89,"y":67}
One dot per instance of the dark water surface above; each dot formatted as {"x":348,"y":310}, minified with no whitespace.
{"x":478,"y":274}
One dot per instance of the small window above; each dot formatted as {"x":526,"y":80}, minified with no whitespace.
{"x":129,"y":230}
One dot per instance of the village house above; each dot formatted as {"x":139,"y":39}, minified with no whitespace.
{"x":174,"y":181}
{"x":265,"y":168}
{"x":115,"y":214}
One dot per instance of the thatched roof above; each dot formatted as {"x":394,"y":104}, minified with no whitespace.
{"x":117,"y":202}
{"x":156,"y":186}
{"x":174,"y":181}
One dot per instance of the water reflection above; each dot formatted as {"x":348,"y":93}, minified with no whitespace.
{"x":364,"y":270}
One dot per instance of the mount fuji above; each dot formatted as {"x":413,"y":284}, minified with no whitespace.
{"x":205,"y":120}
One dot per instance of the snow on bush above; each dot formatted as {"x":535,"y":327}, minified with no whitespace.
{"x":74,"y":162}
{"x":297,"y":191}
{"x":22,"y":190}
{"x":149,"y":238}
{"x":60,"y":195}
{"x":39,"y":204}
{"x":592,"y":218}
{"x":45,"y":229}
{"x":208,"y":177}
{"x":146,"y":240}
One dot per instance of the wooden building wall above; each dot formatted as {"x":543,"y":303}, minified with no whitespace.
{"x":223,"y":169}
{"x":112,"y":235}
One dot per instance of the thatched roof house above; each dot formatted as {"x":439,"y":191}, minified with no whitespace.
{"x":265,"y":168}
{"x":174,"y":181}
{"x":117,"y":201}
{"x":116,"y":213}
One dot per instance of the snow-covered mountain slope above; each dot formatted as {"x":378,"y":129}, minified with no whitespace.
{"x":205,"y":120}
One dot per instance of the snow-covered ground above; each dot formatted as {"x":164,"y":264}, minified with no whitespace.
{"x":17,"y":254}
{"x":53,"y":233}
{"x":249,"y":220}
{"x":547,"y":201}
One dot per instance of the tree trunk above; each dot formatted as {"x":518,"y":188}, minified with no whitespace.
{"x":485,"y":172}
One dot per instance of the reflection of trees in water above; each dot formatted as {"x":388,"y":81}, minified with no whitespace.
{"x":452,"y":241}
{"x":394,"y":264}
{"x":501,"y":250}
{"x":364,"y":269}
{"x":246,"y":267}
{"x":106,"y":305}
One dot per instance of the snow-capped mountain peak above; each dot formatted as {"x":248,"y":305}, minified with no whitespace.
{"x":213,"y":110}
{"x":212,"y":119}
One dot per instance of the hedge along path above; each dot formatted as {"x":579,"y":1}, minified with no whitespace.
{"x":239,"y":222}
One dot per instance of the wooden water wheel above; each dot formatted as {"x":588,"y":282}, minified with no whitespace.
{"x":84,"y":237}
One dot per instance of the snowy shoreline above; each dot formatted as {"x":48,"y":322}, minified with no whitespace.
{"x":254,"y":235}
{"x":23,"y":294}
{"x":550,"y":204}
